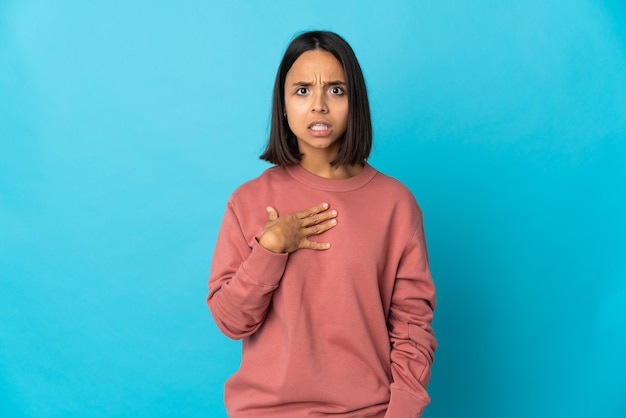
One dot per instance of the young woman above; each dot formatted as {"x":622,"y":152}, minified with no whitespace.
{"x":320,"y":266}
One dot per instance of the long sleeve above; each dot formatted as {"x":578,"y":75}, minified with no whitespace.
{"x":243,"y":278}
{"x":411,"y":335}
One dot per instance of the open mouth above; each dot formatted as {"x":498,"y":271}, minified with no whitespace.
{"x":319,"y":127}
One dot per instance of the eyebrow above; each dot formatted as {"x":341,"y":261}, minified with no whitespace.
{"x":326,"y":83}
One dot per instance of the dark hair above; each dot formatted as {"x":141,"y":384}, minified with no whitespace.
{"x":356,"y":144}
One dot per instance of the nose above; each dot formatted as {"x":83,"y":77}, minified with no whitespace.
{"x":319,"y":104}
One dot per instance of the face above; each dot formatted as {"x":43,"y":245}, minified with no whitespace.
{"x":316,"y":102}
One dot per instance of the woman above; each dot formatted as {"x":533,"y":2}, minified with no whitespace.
{"x":329,"y":287}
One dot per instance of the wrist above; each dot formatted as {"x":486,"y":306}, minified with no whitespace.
{"x":271,"y":244}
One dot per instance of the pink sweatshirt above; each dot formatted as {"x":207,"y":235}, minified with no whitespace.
{"x":343,"y":332}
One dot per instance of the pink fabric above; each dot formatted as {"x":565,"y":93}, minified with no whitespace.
{"x":343,"y":332}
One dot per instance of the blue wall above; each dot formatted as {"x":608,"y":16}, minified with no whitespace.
{"x":124,"y":126}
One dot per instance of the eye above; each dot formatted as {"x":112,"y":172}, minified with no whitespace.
{"x":337,"y":90}
{"x":301,"y":91}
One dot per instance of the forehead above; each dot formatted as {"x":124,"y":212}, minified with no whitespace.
{"x":316,"y":64}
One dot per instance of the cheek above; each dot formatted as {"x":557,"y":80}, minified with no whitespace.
{"x":344,"y":117}
{"x":294,"y":123}
{"x":294,"y":108}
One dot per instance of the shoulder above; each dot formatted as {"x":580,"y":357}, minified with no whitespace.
{"x":250,"y":188}
{"x":392,"y":183}
{"x":396,"y":191}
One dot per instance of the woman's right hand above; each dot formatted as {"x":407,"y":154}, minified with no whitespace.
{"x":288,"y":233}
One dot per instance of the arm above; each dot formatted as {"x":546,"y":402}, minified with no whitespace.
{"x":243,"y":279}
{"x":410,"y":332}
{"x":245,"y":275}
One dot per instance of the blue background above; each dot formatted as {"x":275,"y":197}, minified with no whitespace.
{"x":124,"y":126}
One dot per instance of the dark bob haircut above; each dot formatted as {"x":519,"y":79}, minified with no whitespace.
{"x":356,"y":143}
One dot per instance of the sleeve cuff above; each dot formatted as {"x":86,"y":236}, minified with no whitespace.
{"x":264,"y":267}
{"x":404,"y":405}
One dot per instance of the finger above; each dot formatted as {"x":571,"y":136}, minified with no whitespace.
{"x":321,"y":227}
{"x":272,"y":214}
{"x":314,"y":245}
{"x":318,"y":218}
{"x":312,"y":211}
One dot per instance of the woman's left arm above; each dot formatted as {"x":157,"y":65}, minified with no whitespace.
{"x":412,"y":338}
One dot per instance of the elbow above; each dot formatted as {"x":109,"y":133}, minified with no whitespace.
{"x":234,"y":332}
{"x":235,"y":325}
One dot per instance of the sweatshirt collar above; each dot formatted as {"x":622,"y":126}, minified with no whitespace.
{"x":332,"y":185}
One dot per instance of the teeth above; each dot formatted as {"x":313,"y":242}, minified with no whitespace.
{"x":319,"y":127}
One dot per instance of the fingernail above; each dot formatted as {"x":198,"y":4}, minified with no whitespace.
{"x":325,"y":205}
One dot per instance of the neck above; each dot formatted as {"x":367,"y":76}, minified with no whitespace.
{"x":324,"y":169}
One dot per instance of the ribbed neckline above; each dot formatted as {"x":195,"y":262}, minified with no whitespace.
{"x":332,"y":185}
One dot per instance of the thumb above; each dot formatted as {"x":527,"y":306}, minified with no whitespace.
{"x":272,"y":214}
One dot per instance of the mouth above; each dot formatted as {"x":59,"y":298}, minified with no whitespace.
{"x":320,"y":128}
